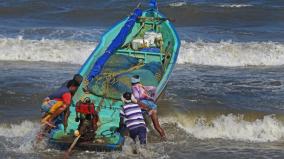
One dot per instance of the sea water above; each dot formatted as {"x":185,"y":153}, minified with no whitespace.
{"x":225,"y":98}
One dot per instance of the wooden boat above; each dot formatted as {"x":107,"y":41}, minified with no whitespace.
{"x":136,"y":54}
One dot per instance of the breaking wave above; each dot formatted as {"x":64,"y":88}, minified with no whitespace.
{"x":227,"y":53}
{"x":75,"y":52}
{"x":219,"y":5}
{"x":19,"y":137}
{"x":224,"y":53}
{"x":17,"y":130}
{"x":177,"y":4}
{"x":234,"y":5}
{"x":233,"y":127}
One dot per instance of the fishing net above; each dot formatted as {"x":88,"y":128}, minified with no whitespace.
{"x":115,"y":78}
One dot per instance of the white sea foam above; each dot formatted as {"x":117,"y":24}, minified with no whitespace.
{"x":17,"y":130}
{"x":224,"y":53}
{"x":75,"y":52}
{"x":234,"y":5}
{"x":229,"y":127}
{"x":20,"y":136}
{"x":227,"y":53}
{"x":178,"y":4}
{"x":234,"y":127}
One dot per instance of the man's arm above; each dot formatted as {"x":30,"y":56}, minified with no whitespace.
{"x":136,"y":93}
{"x":66,"y":116}
{"x":151,"y":91}
{"x":66,"y":97}
{"x":150,"y":88}
{"x":121,"y":121}
{"x":143,"y":106}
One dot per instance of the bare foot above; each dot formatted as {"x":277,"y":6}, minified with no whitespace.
{"x":163,"y":138}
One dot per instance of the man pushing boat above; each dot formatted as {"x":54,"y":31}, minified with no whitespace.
{"x":131,"y":116}
{"x":145,"y":98}
{"x":58,"y":102}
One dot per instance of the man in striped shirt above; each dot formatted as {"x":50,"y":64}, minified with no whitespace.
{"x":131,"y":116}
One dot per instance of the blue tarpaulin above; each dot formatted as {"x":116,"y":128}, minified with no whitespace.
{"x":153,"y":4}
{"x":115,"y":44}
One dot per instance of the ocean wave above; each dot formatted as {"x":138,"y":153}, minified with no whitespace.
{"x":233,"y":127}
{"x":224,"y":53}
{"x":234,"y":5}
{"x":183,"y":3}
{"x":19,"y":137}
{"x":177,"y":4}
{"x":67,"y":51}
{"x":17,"y":130}
{"x":227,"y":53}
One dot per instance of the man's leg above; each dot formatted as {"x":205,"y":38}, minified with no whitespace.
{"x":133,"y":134}
{"x":157,"y":126}
{"x":142,"y":134}
{"x":66,"y":116}
{"x":52,"y":110}
{"x":57,"y":112}
{"x":154,"y":117}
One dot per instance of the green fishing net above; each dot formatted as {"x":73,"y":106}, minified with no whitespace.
{"x":115,"y":78}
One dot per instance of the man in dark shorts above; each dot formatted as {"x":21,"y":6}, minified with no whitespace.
{"x":131,"y":116}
